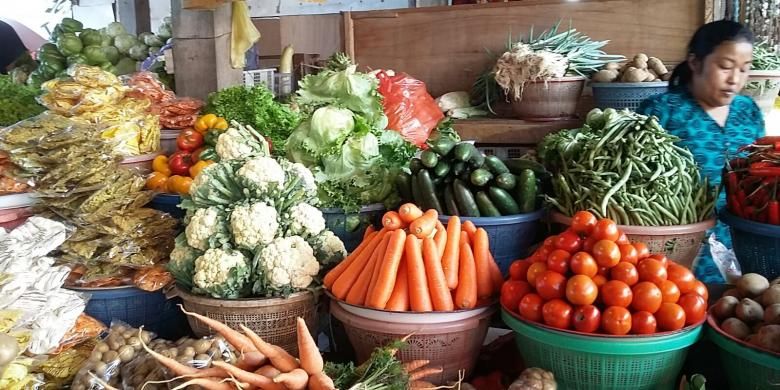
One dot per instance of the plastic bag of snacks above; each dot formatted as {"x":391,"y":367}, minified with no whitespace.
{"x":178,"y":113}
{"x":59,"y":370}
{"x":146,"y":85}
{"x":86,"y":328}
{"x":120,"y":346}
{"x":152,"y":278}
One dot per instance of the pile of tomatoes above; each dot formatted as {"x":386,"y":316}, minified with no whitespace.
{"x":591,"y":279}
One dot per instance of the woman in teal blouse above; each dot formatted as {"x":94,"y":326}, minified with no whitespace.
{"x":703,"y":107}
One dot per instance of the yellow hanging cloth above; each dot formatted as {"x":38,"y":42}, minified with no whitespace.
{"x":243,"y":36}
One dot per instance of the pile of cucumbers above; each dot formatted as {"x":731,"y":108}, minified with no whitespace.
{"x":455,"y":178}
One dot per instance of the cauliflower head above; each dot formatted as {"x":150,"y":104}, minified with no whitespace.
{"x":304,"y":220}
{"x":254,"y":224}
{"x":182,"y":261}
{"x":286,"y":264}
{"x":206,"y":226}
{"x":328,"y":248}
{"x":305,"y":178}
{"x":261,"y":175}
{"x":202,"y":179}
{"x":231,"y":145}
{"x":221,"y":273}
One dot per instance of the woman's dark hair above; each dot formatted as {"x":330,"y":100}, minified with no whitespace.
{"x":11,"y":44}
{"x":703,"y":43}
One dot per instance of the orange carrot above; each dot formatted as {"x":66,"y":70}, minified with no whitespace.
{"x":495,"y":275}
{"x":249,"y":361}
{"x":207,"y":384}
{"x":449,"y":259}
{"x":392,"y":221}
{"x":482,"y":263}
{"x":261,"y":381}
{"x":321,"y":381}
{"x":409,"y":212}
{"x":464,"y":238}
{"x":359,"y":291}
{"x":437,"y":285}
{"x":422,"y":385}
{"x":423,"y":227}
{"x":369,"y":229}
{"x":311,"y":360}
{"x":399,"y":299}
{"x":415,"y":364}
{"x":282,"y":360}
{"x":469,"y":228}
{"x":424,"y":373}
{"x":268,"y":370}
{"x":334,"y":274}
{"x":344,"y":282}
{"x":240,"y":342}
{"x":466,"y":293}
{"x":440,"y":237}
{"x":419,"y":296}
{"x":388,"y":271}
{"x":294,"y":380}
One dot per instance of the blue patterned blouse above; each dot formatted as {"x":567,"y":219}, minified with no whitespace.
{"x":680,"y":114}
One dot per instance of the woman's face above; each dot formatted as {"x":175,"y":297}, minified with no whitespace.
{"x":722,"y":74}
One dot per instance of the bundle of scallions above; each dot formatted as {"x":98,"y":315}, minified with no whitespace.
{"x":624,"y":166}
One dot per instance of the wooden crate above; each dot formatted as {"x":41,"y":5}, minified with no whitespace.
{"x":203,"y":4}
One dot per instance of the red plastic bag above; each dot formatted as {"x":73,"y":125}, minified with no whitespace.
{"x":409,"y":107}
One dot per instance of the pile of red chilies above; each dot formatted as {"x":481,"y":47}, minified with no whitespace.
{"x":752,"y":182}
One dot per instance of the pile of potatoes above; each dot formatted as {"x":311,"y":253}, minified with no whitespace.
{"x":641,"y":69}
{"x":751,"y":311}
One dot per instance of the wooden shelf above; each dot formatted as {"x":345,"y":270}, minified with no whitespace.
{"x":510,"y":131}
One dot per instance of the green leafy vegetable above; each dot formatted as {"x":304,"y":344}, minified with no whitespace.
{"x":382,"y":371}
{"x":17,"y":102}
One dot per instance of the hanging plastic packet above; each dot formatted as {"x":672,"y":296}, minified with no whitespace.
{"x":409,"y":107}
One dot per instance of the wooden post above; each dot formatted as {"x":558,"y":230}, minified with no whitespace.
{"x":134,"y":15}
{"x":201,"y":50}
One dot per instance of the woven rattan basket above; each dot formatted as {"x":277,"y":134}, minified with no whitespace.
{"x":274,"y":319}
{"x":453,"y":345}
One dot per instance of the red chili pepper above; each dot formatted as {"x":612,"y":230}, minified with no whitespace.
{"x":749,"y":212}
{"x":767,"y":140}
{"x":735,"y":206}
{"x":761,"y":164}
{"x":765,"y":171}
{"x":733,"y":181}
{"x":774,"y":212}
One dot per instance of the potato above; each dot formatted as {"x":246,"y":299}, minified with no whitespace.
{"x":605,"y":76}
{"x":650,"y":77}
{"x":657,"y":65}
{"x":735,"y":327}
{"x":732,"y":292}
{"x":639,"y":63}
{"x":201,"y":346}
{"x":612,"y":66}
{"x":666,"y":76}
{"x":126,"y":353}
{"x":110,"y":356}
{"x":101,"y":347}
{"x":725,"y":307}
{"x":641,"y":57}
{"x":771,"y":295}
{"x":769,"y":337}
{"x":96,"y":356}
{"x":772,"y":314}
{"x":749,"y":311}
{"x":752,"y":285}
{"x":634,"y":75}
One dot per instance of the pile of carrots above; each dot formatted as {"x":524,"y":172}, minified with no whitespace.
{"x":416,"y":263}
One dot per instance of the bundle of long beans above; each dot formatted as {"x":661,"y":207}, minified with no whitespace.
{"x":626,"y":167}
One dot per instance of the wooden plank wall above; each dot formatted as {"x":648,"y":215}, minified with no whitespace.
{"x":445,"y":46}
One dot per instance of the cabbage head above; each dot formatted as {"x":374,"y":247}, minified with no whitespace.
{"x":328,"y":127}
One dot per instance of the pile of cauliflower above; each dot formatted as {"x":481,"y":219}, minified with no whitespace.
{"x":252,"y":228}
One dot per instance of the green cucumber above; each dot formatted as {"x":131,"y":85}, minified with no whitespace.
{"x":428,"y":191}
{"x":458,"y":168}
{"x":403,"y":182}
{"x":480,"y":177}
{"x":506,"y":181}
{"x":451,"y":207}
{"x":526,"y":191}
{"x":417,"y":194}
{"x":477,"y":160}
{"x":441,"y":169}
{"x":415,"y":165}
{"x":465,"y":200}
{"x":517,"y":165}
{"x":495,"y":165}
{"x":505,"y":203}
{"x":465,"y":151}
{"x":486,"y":207}
{"x":429,"y":158}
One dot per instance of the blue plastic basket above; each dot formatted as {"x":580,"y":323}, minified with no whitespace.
{"x":349,"y":227}
{"x":625,"y":95}
{"x":168,"y":203}
{"x":137,"y":307}
{"x":755,"y":244}
{"x":510,"y":235}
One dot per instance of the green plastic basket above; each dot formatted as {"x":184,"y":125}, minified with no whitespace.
{"x":597,"y":362}
{"x":746,"y":368}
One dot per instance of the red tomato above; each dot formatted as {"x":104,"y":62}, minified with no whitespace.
{"x":586,"y":318}
{"x":549,"y":242}
{"x":583,"y":263}
{"x":606,"y":229}
{"x":558,"y":261}
{"x":624,"y":272}
{"x":647,"y":297}
{"x":681,"y":276}
{"x":581,"y":290}
{"x":606,"y":253}
{"x":587,"y":246}
{"x":642,"y":250}
{"x":603,"y":271}
{"x":628,"y":254}
{"x":616,"y":320}
{"x":622,"y":239}
{"x":519,"y":269}
{"x":530,"y":307}
{"x":616,"y":293}
{"x":180,"y":163}
{"x":557,"y":313}
{"x":661,"y":257}
{"x":643,"y":322}
{"x":512,"y":291}
{"x":701,"y":289}
{"x":651,"y":270}
{"x":189,"y":140}
{"x":533,"y":272}
{"x":670,"y":317}
{"x":695,"y":307}
{"x":583,"y":223}
{"x":541,"y":254}
{"x":669,"y":291}
{"x":600,"y":280}
{"x":568,"y":241}
{"x":551,"y":285}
